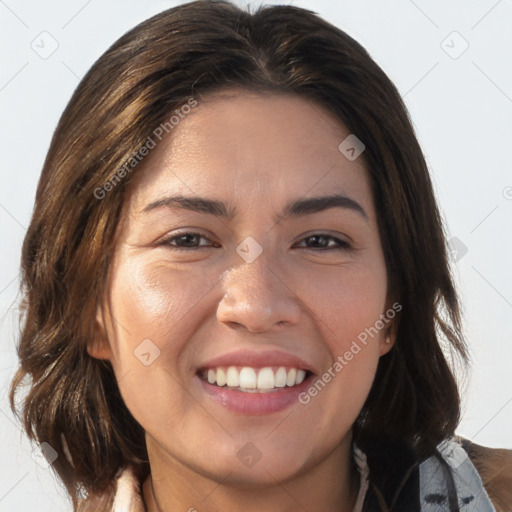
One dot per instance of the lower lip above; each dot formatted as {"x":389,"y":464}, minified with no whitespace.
{"x":255,"y":403}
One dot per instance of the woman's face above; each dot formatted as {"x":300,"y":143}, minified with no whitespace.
{"x":247,"y":265}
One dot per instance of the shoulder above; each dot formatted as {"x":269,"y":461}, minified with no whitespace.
{"x":494,"y":466}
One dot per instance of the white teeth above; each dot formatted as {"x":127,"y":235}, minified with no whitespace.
{"x":233,"y":378}
{"x":280,"y":379}
{"x":221,"y":377}
{"x":301,"y":375}
{"x":266,"y":378}
{"x":290,"y":380}
{"x":247,"y":378}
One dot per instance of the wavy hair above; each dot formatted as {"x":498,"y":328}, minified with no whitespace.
{"x":72,"y":400}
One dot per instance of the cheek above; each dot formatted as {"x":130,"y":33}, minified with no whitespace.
{"x":344,"y":317}
{"x":347,"y":301}
{"x":348,"y":305}
{"x":154,"y":316}
{"x":153,"y":309}
{"x":155,"y":299}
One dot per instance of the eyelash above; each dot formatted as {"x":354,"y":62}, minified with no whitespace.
{"x":342,"y":245}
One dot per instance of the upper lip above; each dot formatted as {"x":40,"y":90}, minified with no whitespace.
{"x":259,"y":359}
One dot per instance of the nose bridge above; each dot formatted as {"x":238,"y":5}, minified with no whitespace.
{"x":256,"y":297}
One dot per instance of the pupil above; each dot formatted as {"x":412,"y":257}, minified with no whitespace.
{"x":188,"y":239}
{"x":318,"y":239}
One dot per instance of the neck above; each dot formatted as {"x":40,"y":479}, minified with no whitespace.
{"x":332,"y":484}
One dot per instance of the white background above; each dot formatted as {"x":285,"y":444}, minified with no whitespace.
{"x":462,"y":111}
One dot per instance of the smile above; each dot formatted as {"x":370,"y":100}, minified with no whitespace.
{"x":254,"y":380}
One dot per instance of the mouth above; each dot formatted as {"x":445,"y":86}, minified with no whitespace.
{"x":253,"y":382}
{"x":247,"y":379}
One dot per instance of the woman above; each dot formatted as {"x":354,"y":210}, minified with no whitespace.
{"x":225,"y":296}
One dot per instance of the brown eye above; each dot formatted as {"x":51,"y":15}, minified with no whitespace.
{"x":185,"y":241}
{"x":321,"y":241}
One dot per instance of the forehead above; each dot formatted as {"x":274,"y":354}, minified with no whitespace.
{"x":250,"y":148}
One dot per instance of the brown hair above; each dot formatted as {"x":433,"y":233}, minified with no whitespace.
{"x":152,"y":70}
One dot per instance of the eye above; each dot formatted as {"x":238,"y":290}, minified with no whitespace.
{"x":186,"y":241}
{"x":323,"y":241}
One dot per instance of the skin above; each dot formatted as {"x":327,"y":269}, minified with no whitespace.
{"x":255,"y":152}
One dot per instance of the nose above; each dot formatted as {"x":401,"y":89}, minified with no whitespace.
{"x":257,"y":298}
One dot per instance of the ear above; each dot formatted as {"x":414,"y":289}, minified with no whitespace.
{"x":99,"y":347}
{"x":389,"y":333}
{"x":387,"y":340}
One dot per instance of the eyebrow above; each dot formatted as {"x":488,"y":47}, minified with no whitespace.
{"x":295,"y":208}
